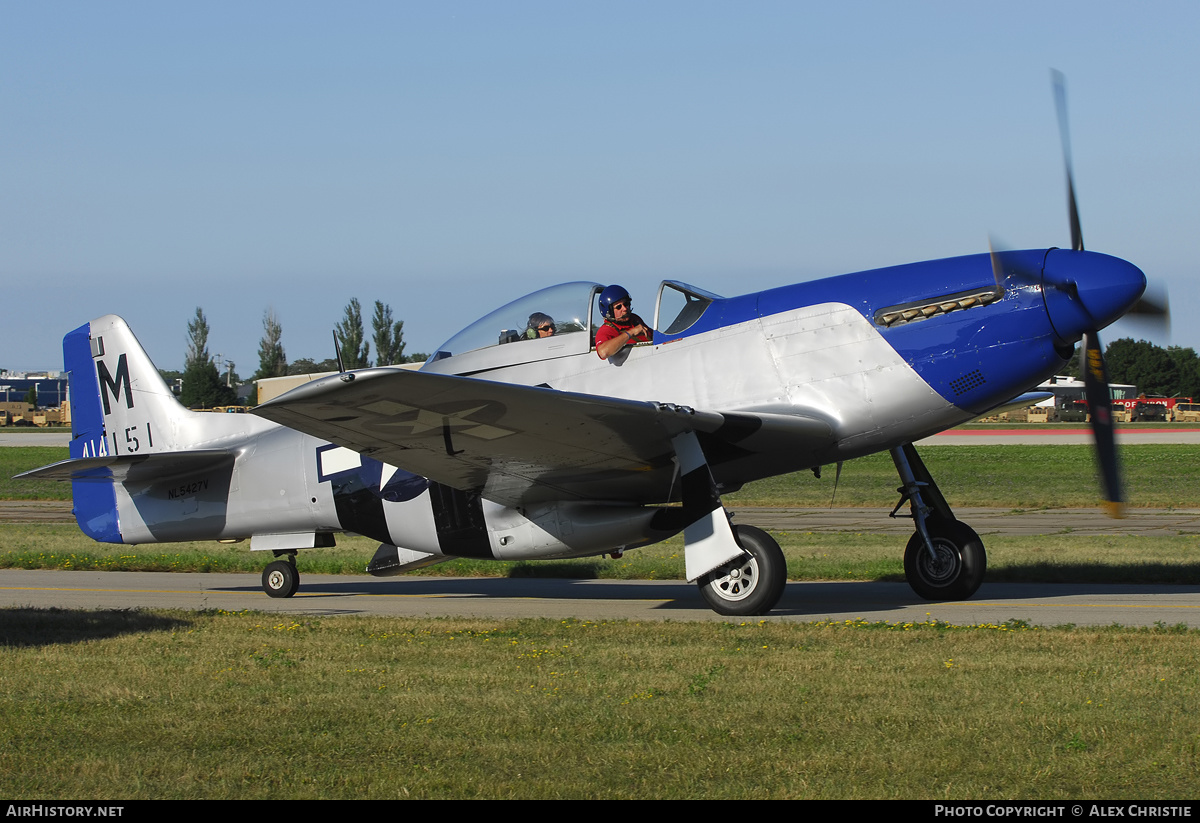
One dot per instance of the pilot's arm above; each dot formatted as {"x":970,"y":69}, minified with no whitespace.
{"x":614,"y":344}
{"x":624,"y":338}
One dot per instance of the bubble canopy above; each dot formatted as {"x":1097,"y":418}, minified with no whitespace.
{"x":567,"y":304}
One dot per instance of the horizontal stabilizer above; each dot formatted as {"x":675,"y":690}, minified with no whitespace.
{"x":127,"y":468}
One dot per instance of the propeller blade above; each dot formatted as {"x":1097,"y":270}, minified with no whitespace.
{"x":1089,"y":305}
{"x":1008,"y":266}
{"x":1095,"y":380}
{"x":1060,"y":104}
{"x":1157,"y":309}
{"x":997,"y":265}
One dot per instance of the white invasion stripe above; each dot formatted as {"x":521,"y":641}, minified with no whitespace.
{"x":339,"y":460}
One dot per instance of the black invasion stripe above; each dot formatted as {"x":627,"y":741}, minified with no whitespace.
{"x":699,"y":494}
{"x":360,"y":509}
{"x":458,"y":517}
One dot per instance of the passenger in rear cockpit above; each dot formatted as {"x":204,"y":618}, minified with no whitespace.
{"x":539,"y":326}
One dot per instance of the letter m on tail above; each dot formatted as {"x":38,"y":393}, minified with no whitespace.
{"x":114,"y":385}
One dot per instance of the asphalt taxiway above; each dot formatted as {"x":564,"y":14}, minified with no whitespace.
{"x":498,"y":598}
{"x":635,"y":600}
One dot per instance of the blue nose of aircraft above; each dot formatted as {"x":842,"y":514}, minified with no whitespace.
{"x":1086,"y":290}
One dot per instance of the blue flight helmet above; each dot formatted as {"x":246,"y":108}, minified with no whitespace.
{"x":613,"y":294}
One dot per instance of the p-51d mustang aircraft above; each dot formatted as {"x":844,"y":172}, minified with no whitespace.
{"x":507,"y":447}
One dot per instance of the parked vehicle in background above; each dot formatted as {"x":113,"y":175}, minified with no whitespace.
{"x":1143,"y":409}
{"x":1072,"y":411}
{"x":1148,"y":411}
{"x":1186,"y":412}
{"x":20,"y":414}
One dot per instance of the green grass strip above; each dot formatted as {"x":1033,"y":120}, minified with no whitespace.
{"x":146,"y":705}
{"x":1007,"y":476}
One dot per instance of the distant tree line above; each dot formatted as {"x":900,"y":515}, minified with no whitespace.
{"x":1170,"y":372}
{"x":272,"y":361}
{"x":1173,"y":371}
{"x":203,"y":386}
{"x":387,"y":335}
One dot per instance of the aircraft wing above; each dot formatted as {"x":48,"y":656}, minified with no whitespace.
{"x":521,"y":444}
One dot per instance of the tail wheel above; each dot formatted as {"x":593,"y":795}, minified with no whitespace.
{"x":280,"y":579}
{"x":956,"y":570}
{"x":751,"y":584}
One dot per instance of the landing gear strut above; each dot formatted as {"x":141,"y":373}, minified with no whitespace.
{"x":750,"y":584}
{"x":280,"y":578}
{"x":944,"y":559}
{"x":740,"y":569}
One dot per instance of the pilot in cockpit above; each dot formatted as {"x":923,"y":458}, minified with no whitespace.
{"x":539,"y":326}
{"x":621,"y":326}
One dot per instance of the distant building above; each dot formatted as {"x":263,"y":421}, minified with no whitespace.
{"x":1067,"y":388}
{"x":271,"y":387}
{"x":51,"y":387}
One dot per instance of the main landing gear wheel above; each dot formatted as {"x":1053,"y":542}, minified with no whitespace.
{"x":748,"y":585}
{"x":280,"y":578}
{"x":957,"y":571}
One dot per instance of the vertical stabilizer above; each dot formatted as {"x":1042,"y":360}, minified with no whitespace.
{"x":119,"y":406}
{"x":140,"y":414}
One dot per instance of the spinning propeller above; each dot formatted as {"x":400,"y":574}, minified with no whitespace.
{"x":1083,"y":292}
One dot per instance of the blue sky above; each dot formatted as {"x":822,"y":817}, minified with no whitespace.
{"x":447,"y":157}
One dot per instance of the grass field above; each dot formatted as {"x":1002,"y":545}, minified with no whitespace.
{"x":1007,"y":476}
{"x":17,"y":459}
{"x":139,"y":704}
{"x":1010,"y":476}
{"x":127,"y":705}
